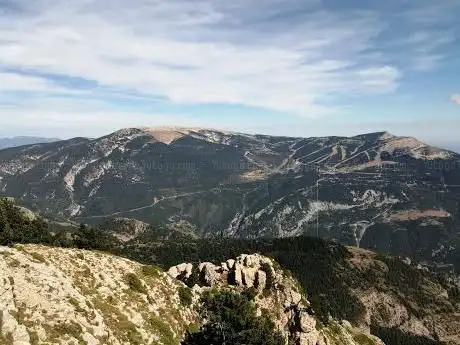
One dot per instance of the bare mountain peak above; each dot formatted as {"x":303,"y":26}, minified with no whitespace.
{"x":387,"y":135}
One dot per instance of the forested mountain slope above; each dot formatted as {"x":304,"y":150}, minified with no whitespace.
{"x":377,"y":191}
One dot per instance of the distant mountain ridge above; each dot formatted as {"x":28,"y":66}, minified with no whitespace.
{"x":375,"y":190}
{"x":24,"y":140}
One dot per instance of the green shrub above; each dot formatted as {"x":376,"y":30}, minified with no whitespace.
{"x":38,"y":257}
{"x":151,"y":271}
{"x":232,"y":319}
{"x":185,"y":296}
{"x":135,"y":283}
{"x":163,"y":330}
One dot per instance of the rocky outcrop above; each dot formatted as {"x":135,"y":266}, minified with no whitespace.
{"x":277,"y":295}
{"x":68,"y":296}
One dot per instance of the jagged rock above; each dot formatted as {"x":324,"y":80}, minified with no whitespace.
{"x":238,"y":275}
{"x":231,"y":264}
{"x":310,"y":338}
{"x":249,"y":276}
{"x":184,"y":270}
{"x":209,"y":273}
{"x":187,"y":269}
{"x":261,"y":280}
{"x":249,"y":260}
{"x":284,"y":302}
{"x":307,"y":323}
{"x":173,"y":272}
{"x":292,"y":298}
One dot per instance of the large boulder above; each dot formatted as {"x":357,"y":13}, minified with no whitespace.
{"x":183,"y":270}
{"x":230,"y":264}
{"x":238,"y":275}
{"x":261,"y":280}
{"x":173,"y":272}
{"x":249,"y":276}
{"x":209,"y":274}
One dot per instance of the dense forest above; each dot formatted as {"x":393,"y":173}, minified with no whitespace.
{"x":16,"y":226}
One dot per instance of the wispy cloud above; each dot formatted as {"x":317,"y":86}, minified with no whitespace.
{"x":248,"y":52}
{"x":289,"y":56}
{"x":455,"y":98}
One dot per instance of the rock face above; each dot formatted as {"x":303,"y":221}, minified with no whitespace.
{"x":68,"y":296}
{"x":431,"y":309}
{"x":278,"y":295}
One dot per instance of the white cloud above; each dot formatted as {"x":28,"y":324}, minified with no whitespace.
{"x":69,"y":119}
{"x":428,"y":47}
{"x":203,"y":51}
{"x":17,"y":82}
{"x":455,"y":98}
{"x":382,"y":78}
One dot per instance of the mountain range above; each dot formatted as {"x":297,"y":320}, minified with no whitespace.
{"x":23,"y":140}
{"x":377,"y":191}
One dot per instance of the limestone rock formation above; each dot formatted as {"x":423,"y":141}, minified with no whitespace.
{"x":278,"y":295}
{"x":68,"y":296}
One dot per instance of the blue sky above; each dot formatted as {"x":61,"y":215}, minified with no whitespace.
{"x":288,"y":67}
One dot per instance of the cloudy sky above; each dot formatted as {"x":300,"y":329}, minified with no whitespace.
{"x":299,"y":67}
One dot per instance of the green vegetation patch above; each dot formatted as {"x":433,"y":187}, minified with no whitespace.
{"x":185,"y":296}
{"x":119,"y":323}
{"x":363,"y":339}
{"x":135,"y":283}
{"x":232,"y":319}
{"x":38,"y":257}
{"x":163,"y":330}
{"x":151,"y":271}
{"x":64,"y":329}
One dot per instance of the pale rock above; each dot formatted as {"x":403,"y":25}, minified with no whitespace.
{"x":249,"y":276}
{"x":322,"y":340}
{"x":249,"y":261}
{"x":90,"y":339}
{"x":310,"y":338}
{"x":293,"y":298}
{"x":306,"y":322}
{"x":261,"y":280}
{"x":230,"y":264}
{"x":9,"y":325}
{"x":209,"y":274}
{"x":242,"y":259}
{"x":185,"y":268}
{"x":78,"y":291}
{"x":173,"y":272}
{"x":238,"y":275}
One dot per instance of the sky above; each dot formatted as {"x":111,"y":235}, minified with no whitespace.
{"x":282,"y":67}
